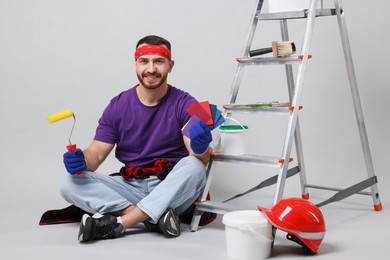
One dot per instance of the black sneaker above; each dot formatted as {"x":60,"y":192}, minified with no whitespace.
{"x":169,"y":224}
{"x":152,"y":227}
{"x":99,"y":227}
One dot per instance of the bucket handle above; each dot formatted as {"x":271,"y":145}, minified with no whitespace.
{"x":260,"y":236}
{"x":230,"y":118}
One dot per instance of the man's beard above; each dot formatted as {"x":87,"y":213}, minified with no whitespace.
{"x":156,"y":84}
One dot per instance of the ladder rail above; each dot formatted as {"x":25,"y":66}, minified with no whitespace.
{"x":296,"y":101}
{"x":356,"y":98}
{"x":297,"y":135}
{"x":197,"y":212}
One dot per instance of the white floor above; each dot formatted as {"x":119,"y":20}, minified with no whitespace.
{"x":354,"y":231}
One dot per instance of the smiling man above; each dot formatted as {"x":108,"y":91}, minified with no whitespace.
{"x":163,"y":172}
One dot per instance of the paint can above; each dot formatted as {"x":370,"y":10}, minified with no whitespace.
{"x":233,"y":138}
{"x":248,"y":235}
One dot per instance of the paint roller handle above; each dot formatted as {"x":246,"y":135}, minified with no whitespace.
{"x":74,"y":160}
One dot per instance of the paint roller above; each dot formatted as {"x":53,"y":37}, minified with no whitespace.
{"x":60,"y":116}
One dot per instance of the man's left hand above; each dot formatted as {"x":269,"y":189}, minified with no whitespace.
{"x":200,"y":136}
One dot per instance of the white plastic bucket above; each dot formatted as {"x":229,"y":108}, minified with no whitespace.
{"x":248,"y":235}
{"x":233,"y":138}
{"x":275,"y":6}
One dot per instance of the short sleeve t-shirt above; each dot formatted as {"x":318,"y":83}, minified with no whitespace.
{"x":144,"y":134}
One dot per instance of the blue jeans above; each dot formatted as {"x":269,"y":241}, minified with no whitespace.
{"x":96,"y":192}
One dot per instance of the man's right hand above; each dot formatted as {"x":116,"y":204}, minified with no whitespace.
{"x":74,"y":161}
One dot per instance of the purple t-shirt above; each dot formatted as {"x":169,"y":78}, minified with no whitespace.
{"x":144,"y":134}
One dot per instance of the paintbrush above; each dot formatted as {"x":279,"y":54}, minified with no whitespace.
{"x":278,"y":49}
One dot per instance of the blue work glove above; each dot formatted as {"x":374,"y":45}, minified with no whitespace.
{"x":74,"y":161}
{"x":200,"y":136}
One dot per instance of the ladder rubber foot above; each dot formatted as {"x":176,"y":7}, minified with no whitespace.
{"x":378,"y":207}
{"x":306,"y":196}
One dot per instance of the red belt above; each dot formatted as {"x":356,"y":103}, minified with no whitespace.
{"x":161,"y":168}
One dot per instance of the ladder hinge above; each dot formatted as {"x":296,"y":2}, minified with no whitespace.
{"x":283,"y":160}
{"x":308,"y":57}
{"x":292,"y":108}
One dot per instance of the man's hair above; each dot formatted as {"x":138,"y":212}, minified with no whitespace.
{"x":154,"y":40}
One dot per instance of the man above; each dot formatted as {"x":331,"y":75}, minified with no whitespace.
{"x":164,"y":170}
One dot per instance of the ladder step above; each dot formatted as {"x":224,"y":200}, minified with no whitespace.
{"x":249,"y":159}
{"x":260,"y":109}
{"x":295,"y":14}
{"x":270,"y":60}
{"x":215,"y":207}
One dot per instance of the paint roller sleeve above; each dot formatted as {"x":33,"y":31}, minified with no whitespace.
{"x":59,"y":116}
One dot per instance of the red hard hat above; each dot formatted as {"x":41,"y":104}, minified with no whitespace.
{"x":301,"y":219}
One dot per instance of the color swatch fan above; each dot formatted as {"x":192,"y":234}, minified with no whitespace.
{"x":205,"y":111}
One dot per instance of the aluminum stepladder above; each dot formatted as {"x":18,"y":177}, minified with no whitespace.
{"x":293,"y":134}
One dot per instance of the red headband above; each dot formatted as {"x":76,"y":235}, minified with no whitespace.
{"x":152,"y":49}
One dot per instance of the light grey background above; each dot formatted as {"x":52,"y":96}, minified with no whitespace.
{"x":72,"y":54}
